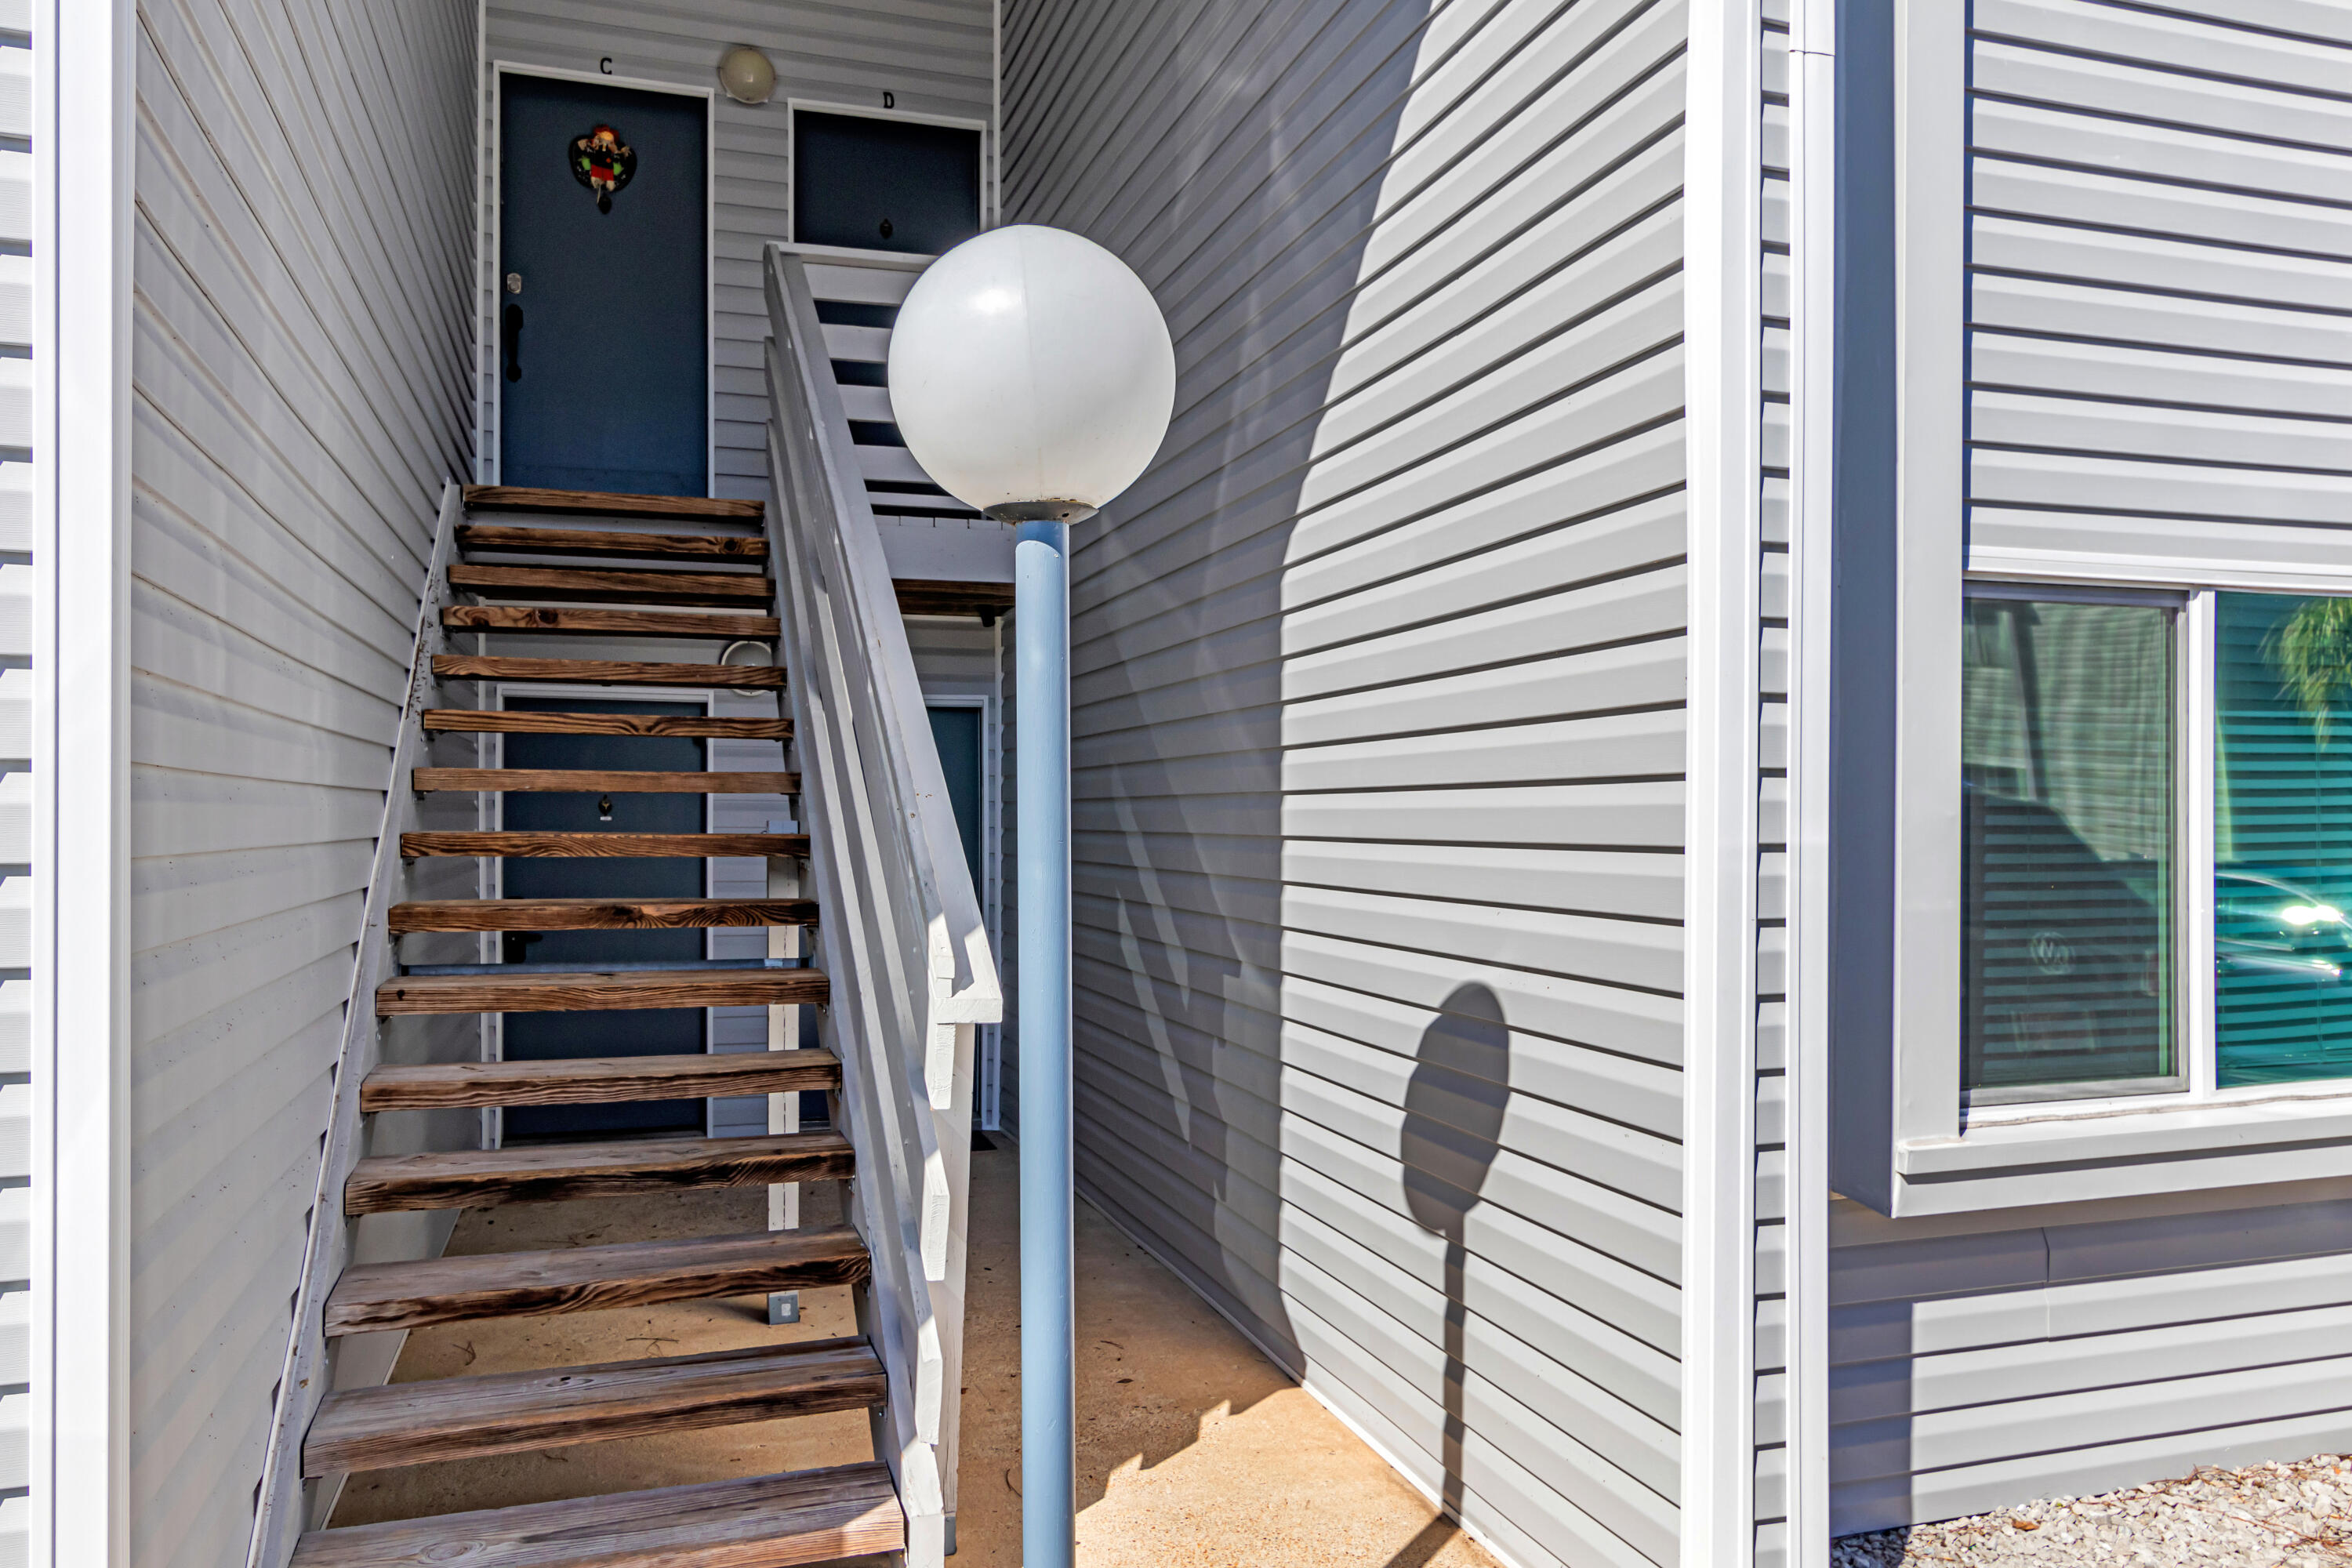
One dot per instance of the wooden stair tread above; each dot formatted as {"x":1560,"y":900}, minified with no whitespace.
{"x":501,"y":722}
{"x":605,"y":671}
{"x":925,"y":596}
{"x":608,"y":503}
{"x":749,"y":547}
{"x":372,"y":1296}
{"x":765,"y":1521}
{"x":595,"y":991}
{"x":549,"y":1173}
{"x":613,"y":584}
{"x":596,"y":1080}
{"x":544,"y":620}
{"x":597,"y":914}
{"x":603,"y":780}
{"x":501,"y":1413}
{"x":517,"y":844}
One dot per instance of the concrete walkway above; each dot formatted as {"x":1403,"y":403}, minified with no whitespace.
{"x":1193,"y":1448}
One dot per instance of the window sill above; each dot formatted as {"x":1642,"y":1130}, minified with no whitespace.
{"x":2126,"y":1153}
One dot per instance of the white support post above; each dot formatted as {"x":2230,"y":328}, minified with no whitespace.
{"x":783,"y":1035}
{"x":78,"y":1461}
{"x":1813,"y":288}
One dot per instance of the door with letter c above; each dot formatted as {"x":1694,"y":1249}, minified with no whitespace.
{"x":603,"y":343}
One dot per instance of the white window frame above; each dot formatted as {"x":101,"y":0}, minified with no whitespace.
{"x":1903,"y":1142}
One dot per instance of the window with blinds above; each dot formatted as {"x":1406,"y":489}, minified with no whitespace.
{"x":2080,"y":775}
{"x":2068,"y":854}
{"x":2282,"y":838}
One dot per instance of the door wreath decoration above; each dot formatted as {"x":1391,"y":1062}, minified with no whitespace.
{"x":603,"y":163}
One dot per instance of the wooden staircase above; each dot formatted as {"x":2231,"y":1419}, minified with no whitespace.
{"x":704,"y":566}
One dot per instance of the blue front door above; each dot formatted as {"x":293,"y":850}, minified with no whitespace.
{"x":603,"y":326}
{"x":665,"y":1031}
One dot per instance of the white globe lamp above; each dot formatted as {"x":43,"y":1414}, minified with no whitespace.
{"x":746,"y":75}
{"x":1032,"y":376}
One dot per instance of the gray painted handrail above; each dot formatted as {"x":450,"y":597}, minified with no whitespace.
{"x":900,"y":929}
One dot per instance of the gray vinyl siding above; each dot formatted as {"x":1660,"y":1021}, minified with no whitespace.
{"x":303,"y":197}
{"x":1972,"y":1369}
{"x":936,"y":56}
{"x":17,"y":1086}
{"x":2160,"y":259}
{"x":1379,"y":679}
{"x":1772,"y":1320}
{"x":2160,"y":253}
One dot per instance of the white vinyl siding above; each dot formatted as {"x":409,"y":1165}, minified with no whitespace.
{"x":933,"y":56}
{"x":1378,"y":679}
{"x":303,"y":195}
{"x":2159,"y":261}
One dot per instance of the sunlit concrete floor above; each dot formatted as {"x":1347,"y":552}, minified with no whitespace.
{"x":1193,"y":1448}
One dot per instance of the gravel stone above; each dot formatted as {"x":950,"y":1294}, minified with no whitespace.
{"x":2282,"y":1514}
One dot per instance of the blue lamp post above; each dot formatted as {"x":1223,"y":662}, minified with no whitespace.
{"x":1033,"y":377}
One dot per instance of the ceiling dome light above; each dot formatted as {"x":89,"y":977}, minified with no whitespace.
{"x":1031,"y":373}
{"x":747,"y":75}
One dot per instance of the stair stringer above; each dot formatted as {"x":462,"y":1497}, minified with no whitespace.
{"x":285,"y":1504}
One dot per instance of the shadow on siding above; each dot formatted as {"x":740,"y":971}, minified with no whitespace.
{"x":1177,"y":652}
{"x":1454,"y":1108}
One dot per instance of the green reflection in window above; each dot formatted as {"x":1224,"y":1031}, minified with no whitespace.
{"x":2067,"y":853}
{"x":2282,"y":840}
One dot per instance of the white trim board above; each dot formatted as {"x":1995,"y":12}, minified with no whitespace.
{"x":1812,"y":80}
{"x":1723,"y":402}
{"x":80,"y":1356}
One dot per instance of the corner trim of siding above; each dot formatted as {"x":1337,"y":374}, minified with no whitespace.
{"x":82,"y":227}
{"x":1722,"y":228}
{"x":1813,"y":390}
